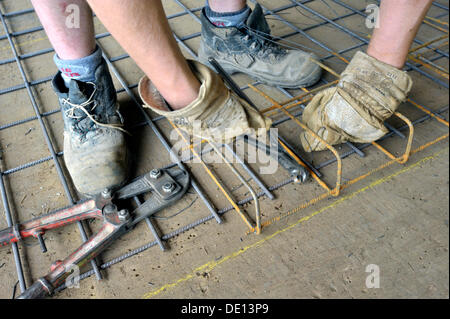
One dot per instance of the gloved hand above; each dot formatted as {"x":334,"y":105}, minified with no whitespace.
{"x":217,"y":114}
{"x":368,"y":93}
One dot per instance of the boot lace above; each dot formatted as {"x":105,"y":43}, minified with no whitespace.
{"x":70,"y":112}
{"x":263,"y":46}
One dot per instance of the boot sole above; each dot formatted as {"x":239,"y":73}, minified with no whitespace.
{"x":310,"y":80}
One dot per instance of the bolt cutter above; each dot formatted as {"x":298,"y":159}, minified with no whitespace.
{"x":166,"y":186}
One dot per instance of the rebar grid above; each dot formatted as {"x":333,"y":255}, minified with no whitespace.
{"x":417,"y":62}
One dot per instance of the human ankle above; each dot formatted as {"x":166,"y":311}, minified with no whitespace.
{"x":392,"y":58}
{"x":226,"y":6}
{"x":228,"y":16}
{"x":82,"y":69}
{"x":182,"y":96}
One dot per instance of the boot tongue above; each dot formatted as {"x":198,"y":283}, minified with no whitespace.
{"x":257,"y":21}
{"x":80,"y":92}
{"x":259,"y":27}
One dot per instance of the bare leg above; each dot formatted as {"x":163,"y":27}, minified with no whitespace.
{"x":399,"y":23}
{"x":95,"y":153}
{"x":142,"y":29}
{"x":69,"y":43}
{"x":227,"y":5}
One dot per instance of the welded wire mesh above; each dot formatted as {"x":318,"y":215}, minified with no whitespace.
{"x":333,"y":29}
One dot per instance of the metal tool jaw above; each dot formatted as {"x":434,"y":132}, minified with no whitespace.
{"x":299,"y":173}
{"x":165,"y":186}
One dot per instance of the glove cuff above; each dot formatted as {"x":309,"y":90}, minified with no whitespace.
{"x":380,"y":87}
{"x":212,"y":91}
{"x":216,"y":114}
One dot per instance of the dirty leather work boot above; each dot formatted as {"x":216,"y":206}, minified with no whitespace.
{"x":94,"y":144}
{"x":250,"y":49}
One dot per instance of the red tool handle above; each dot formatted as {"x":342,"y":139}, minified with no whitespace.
{"x":39,"y":225}
{"x":87,"y":251}
{"x":7,"y":236}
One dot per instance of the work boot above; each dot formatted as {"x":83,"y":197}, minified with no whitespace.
{"x":217,"y":114}
{"x":251,"y":50}
{"x":94,"y":143}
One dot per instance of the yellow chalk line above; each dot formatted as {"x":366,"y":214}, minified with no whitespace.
{"x":213,"y":264}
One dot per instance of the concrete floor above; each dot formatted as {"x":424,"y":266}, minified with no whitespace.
{"x":396,"y":218}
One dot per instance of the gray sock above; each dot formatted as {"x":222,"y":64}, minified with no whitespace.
{"x":227,"y":19}
{"x":80,"y":69}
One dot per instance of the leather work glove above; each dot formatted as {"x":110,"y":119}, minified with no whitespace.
{"x":217,"y":114}
{"x":368,"y":93}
